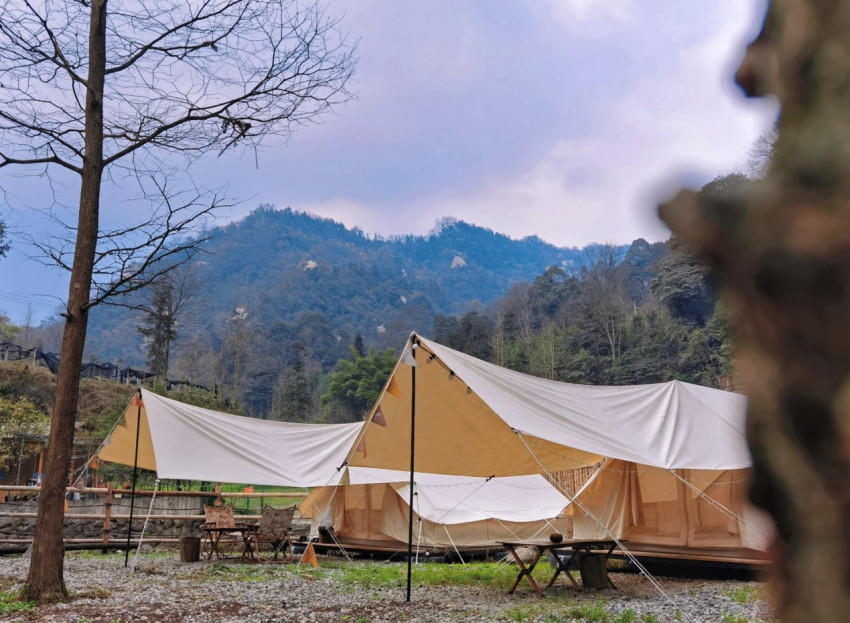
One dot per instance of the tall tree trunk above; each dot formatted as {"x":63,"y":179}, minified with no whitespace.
{"x":782,"y":250}
{"x":166,"y":354}
{"x":46,"y":579}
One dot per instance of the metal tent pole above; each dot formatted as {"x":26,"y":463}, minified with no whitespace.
{"x":135,"y":475}
{"x":412,"y":464}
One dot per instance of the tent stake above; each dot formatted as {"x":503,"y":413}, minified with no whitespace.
{"x":135,"y":475}
{"x":412,"y":451}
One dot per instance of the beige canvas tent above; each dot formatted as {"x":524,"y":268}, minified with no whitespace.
{"x":668,"y":464}
{"x":662,"y":465}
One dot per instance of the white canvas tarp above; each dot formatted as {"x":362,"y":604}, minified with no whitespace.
{"x":461,"y":499}
{"x":449,"y":511}
{"x":178,"y":440}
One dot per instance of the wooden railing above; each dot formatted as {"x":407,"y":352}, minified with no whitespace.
{"x":109,"y":494}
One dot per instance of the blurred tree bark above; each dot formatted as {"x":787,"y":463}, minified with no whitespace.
{"x":781,"y":249}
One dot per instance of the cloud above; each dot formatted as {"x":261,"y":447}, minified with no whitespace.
{"x":568,"y":11}
{"x":496,"y":117}
{"x":681,"y":122}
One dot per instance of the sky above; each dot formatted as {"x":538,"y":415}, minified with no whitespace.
{"x":565,"y":119}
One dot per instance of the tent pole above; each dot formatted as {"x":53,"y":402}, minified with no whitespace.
{"x":135,"y":476}
{"x":412,"y":449}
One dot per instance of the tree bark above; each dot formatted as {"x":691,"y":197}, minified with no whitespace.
{"x":46,"y":578}
{"x":781,"y":247}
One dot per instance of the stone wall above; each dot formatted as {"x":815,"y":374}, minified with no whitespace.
{"x":23,"y":527}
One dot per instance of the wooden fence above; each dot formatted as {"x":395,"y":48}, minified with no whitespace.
{"x":109,"y":494}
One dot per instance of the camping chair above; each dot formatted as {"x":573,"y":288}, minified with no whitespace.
{"x":274,"y":528}
{"x":221,"y":527}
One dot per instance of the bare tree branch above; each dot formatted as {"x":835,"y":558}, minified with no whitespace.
{"x":181,"y":77}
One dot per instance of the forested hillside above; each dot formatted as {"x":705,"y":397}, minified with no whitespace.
{"x":281,"y":288}
{"x":612,"y":324}
{"x":646,"y":317}
{"x":652,"y":317}
{"x":290,"y":316}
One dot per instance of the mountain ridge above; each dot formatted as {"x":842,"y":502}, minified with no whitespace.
{"x":297,"y":275}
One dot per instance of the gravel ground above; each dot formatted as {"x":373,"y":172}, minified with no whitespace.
{"x":163,"y":589}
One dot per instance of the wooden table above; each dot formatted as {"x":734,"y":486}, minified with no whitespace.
{"x":576,"y":548}
{"x":244,"y":530}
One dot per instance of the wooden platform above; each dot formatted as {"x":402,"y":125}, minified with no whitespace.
{"x":659,"y":560}
{"x":703,"y":554}
{"x":700,"y":563}
{"x":391,"y":551}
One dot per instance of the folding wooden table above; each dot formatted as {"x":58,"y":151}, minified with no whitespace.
{"x":576,"y":549}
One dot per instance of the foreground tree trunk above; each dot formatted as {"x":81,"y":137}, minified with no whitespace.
{"x":46,"y":579}
{"x":781,"y":247}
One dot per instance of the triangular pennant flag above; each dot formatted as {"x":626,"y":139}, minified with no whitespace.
{"x":378,"y":417}
{"x":92,"y":464}
{"x":408,"y":358}
{"x":137,"y":401}
{"x":361,"y":446}
{"x":309,"y":556}
{"x":392,"y":388}
{"x":67,"y":506}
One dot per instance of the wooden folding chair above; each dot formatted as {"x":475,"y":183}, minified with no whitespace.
{"x":221,"y":528}
{"x":274,"y":529}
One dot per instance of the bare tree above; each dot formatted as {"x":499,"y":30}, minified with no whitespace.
{"x":103,"y":93}
{"x":498,"y":343}
{"x":237,"y":340}
{"x":198,"y":362}
{"x":515,"y":312}
{"x":25,"y":339}
{"x":761,"y":153}
{"x":543,"y":358}
{"x":167,"y":300}
{"x":295,"y":397}
{"x":606,"y":301}
{"x":48,"y":335}
{"x":4,"y":246}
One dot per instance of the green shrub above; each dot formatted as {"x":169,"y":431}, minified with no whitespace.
{"x":9,"y":603}
{"x":627,"y":616}
{"x":586,"y":612}
{"x":745,"y":594}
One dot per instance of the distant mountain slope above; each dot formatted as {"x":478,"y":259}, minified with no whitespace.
{"x":299,"y":276}
{"x":287,"y":253}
